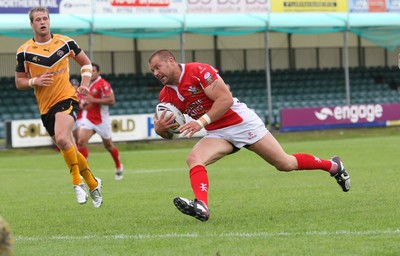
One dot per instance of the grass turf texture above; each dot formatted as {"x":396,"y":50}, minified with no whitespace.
{"x":255,"y":210}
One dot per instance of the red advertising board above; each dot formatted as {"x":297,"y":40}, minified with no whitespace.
{"x":377,"y":5}
{"x":136,"y":3}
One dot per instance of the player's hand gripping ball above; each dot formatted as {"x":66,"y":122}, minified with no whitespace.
{"x":171,"y":109}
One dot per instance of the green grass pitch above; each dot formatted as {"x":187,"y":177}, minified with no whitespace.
{"x":255,"y":210}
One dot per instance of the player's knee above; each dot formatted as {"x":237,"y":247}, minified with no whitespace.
{"x":62,"y":142}
{"x":81,"y":143}
{"x":283,"y":166}
{"x":192,"y":159}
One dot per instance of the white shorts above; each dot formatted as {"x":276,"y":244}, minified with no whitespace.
{"x":103,"y":129}
{"x":248,"y":132}
{"x":77,"y":124}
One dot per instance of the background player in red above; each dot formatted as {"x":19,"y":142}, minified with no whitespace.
{"x":198,"y":91}
{"x":96,"y":117}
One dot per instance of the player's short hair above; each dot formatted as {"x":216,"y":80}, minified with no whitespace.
{"x":164,"y":54}
{"x":38,"y":9}
{"x":97,"y":66}
{"x":6,"y":238}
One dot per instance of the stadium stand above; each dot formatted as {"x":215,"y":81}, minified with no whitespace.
{"x":138,"y":93}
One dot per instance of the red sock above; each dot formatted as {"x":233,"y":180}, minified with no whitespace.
{"x":199,"y":182}
{"x":84,"y":151}
{"x":310,"y":162}
{"x":115,"y":156}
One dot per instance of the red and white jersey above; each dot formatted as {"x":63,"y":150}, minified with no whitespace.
{"x":98,"y":113}
{"x":189,"y":96}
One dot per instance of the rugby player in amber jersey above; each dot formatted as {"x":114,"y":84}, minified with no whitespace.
{"x":43,"y":65}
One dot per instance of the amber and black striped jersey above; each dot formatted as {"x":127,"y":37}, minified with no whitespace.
{"x":53,"y":56}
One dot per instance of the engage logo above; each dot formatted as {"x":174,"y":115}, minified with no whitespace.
{"x":353,"y":113}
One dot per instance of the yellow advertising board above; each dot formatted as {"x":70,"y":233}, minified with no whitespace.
{"x":309,"y":6}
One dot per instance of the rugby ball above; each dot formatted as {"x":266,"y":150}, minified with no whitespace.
{"x":171,"y":109}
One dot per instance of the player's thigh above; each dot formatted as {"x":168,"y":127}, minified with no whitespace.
{"x":104,"y":130}
{"x":84,"y":135}
{"x":63,"y":124}
{"x":208,"y":150}
{"x":271,"y":151}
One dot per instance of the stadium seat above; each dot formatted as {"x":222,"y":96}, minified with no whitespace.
{"x":138,"y":93}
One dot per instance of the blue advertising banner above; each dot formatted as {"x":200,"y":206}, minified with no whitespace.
{"x":23,"y":6}
{"x":358,"y":5}
{"x":393,"y":5}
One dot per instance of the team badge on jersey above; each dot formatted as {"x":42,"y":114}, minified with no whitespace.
{"x":60,"y":53}
{"x":193,"y":90}
{"x":208,"y":77}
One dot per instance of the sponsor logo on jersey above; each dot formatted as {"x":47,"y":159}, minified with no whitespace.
{"x":208,"y":77}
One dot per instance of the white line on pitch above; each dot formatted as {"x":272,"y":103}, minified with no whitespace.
{"x":221,"y":235}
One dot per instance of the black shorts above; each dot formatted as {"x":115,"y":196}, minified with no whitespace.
{"x":69,"y":106}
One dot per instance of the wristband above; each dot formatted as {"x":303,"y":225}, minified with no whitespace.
{"x":86,"y":70}
{"x":87,"y":73}
{"x":31,"y":82}
{"x":200,"y":123}
{"x":88,"y":67}
{"x":204,"y":120}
